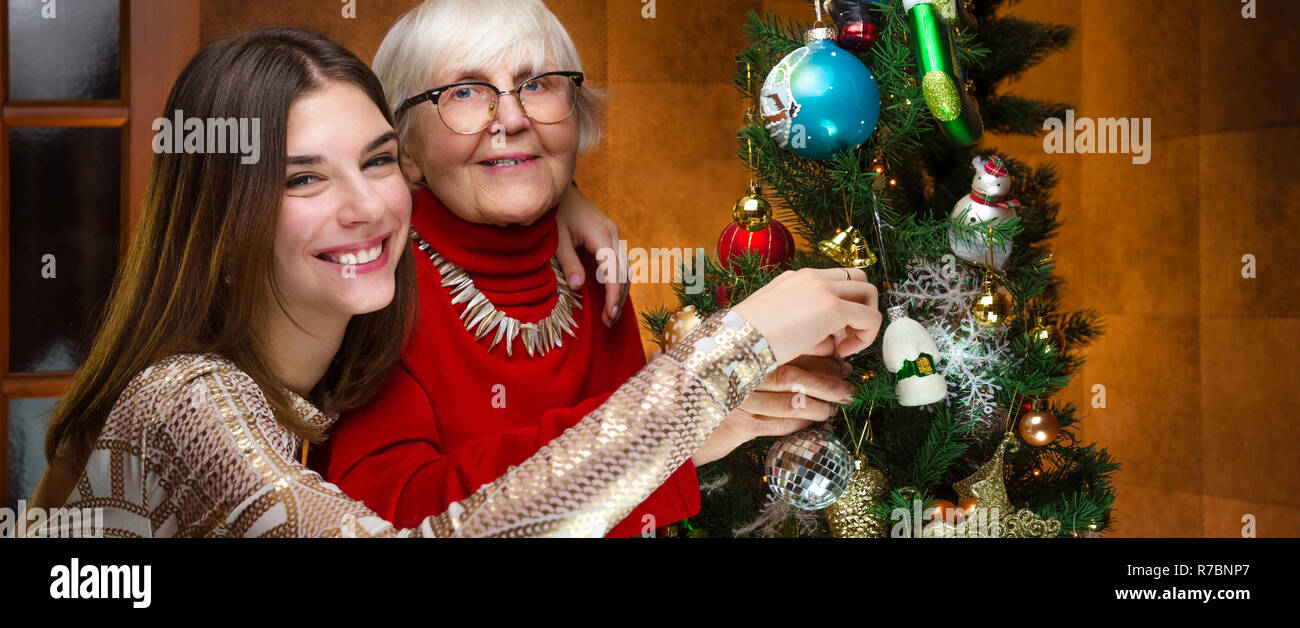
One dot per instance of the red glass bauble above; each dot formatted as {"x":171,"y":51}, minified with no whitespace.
{"x":859,"y":37}
{"x":773,"y":244}
{"x":723,"y":295}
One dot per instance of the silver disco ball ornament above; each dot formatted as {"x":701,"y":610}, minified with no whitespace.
{"x":808,"y":469}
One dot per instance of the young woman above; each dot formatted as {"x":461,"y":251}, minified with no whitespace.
{"x":258,"y":301}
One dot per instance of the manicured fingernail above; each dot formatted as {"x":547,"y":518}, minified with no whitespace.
{"x":575,"y":280}
{"x":613,"y":313}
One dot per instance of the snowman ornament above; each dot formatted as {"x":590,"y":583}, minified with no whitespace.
{"x":911,"y":354}
{"x":991,"y":184}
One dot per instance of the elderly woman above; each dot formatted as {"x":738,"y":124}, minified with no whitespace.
{"x":492,"y":112}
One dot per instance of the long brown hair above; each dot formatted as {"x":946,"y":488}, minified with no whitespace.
{"x":199,"y":266}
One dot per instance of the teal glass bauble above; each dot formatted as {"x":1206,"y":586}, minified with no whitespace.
{"x":820,"y":99}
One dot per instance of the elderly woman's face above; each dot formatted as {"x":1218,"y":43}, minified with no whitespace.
{"x":512,"y":172}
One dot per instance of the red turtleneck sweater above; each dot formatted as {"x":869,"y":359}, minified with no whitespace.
{"x":435,"y":435}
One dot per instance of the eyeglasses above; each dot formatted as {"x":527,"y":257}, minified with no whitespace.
{"x":467,"y":108}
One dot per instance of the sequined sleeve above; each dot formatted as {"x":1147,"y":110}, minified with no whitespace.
{"x":589,"y":477}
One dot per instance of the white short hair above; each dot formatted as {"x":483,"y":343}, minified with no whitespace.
{"x":477,"y":36}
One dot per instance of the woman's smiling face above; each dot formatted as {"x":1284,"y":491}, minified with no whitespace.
{"x":346,"y":207}
{"x":512,"y":172}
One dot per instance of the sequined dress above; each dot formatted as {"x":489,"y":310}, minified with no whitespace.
{"x":192,"y":449}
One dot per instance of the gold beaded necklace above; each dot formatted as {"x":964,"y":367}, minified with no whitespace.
{"x":481,"y":316}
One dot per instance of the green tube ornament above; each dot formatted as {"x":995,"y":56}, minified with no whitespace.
{"x":953,"y":107}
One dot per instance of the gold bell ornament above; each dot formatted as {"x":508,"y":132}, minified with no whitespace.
{"x":848,"y":248}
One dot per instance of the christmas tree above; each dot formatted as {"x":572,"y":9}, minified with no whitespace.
{"x":954,"y":405}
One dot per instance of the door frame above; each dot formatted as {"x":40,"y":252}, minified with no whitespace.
{"x":158,"y":37}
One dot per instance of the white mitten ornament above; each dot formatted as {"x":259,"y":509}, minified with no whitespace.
{"x":910,"y":352}
{"x":985,"y":203}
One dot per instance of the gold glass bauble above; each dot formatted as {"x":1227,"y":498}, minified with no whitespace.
{"x":992,"y":307}
{"x":1039,"y":427}
{"x":848,"y":248}
{"x":849,"y":516}
{"x":1050,"y":339}
{"x":681,"y":323}
{"x":752,"y":212}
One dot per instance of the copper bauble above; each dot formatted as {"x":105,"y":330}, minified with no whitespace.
{"x":939,"y":510}
{"x":1039,"y":427}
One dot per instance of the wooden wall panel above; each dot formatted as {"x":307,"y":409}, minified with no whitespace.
{"x":165,"y":35}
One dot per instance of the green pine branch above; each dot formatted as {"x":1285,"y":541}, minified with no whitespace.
{"x":1026,"y":45}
